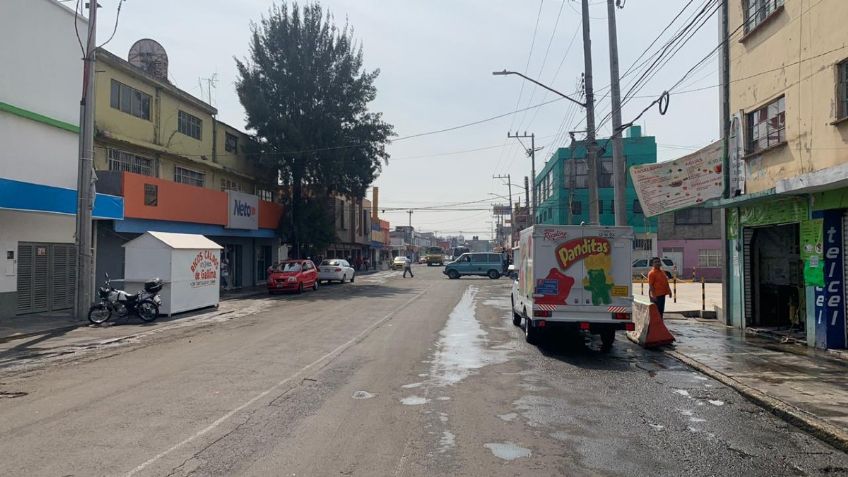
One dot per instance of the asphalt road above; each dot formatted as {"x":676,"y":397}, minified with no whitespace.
{"x":387,"y":376}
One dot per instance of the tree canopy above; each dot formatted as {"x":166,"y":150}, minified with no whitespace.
{"x":306,"y":93}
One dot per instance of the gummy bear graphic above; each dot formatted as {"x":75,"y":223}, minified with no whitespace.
{"x":553,"y":289}
{"x":599,"y":278}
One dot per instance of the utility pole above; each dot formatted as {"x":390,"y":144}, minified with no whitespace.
{"x":410,"y":218}
{"x":619,"y":166}
{"x":511,"y":212}
{"x":85,"y":175}
{"x":532,"y":153}
{"x":591,"y":147}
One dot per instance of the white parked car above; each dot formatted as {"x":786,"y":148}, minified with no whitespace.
{"x":336,"y":269}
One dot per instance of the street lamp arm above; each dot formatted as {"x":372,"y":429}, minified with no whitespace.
{"x":505,"y":72}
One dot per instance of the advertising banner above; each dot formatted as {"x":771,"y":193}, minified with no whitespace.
{"x":681,"y":183}
{"x":242,"y":211}
{"x":500,"y":210}
{"x":830,"y":298}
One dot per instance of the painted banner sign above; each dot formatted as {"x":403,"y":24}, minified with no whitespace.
{"x":681,"y":183}
{"x":830,"y":299}
{"x":243,"y":211}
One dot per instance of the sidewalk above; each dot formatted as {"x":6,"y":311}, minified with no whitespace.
{"x":805,"y":387}
{"x":688,"y":297}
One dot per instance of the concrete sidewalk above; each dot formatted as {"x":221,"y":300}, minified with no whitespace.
{"x":803,"y":386}
{"x":688,"y":296}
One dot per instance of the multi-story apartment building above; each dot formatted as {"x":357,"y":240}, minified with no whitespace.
{"x":563,"y":196}
{"x":178,"y":168}
{"x":691,"y":238}
{"x":787,"y":95}
{"x":40,"y":84}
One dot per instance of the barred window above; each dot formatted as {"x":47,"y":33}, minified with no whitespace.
{"x":265,"y":194}
{"x":767,"y":125}
{"x":227,"y":184}
{"x":643,"y":244}
{"x":190,"y":177}
{"x":575,"y":174}
{"x":842,"y":95}
{"x":127,"y":162}
{"x":709,"y":258}
{"x":189,"y":125}
{"x":756,"y":11}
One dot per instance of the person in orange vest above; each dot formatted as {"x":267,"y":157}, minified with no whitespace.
{"x":658,"y":287}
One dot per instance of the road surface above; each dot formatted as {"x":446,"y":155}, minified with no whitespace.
{"x":421,"y":376}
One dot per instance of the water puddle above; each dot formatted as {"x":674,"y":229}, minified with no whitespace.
{"x":687,"y":412}
{"x":682,"y":392}
{"x":508,"y":417}
{"x":443,"y":398}
{"x":697,"y":419}
{"x":507,"y":450}
{"x":414,"y":401}
{"x":657,"y":427}
{"x":413,"y":385}
{"x":462,"y":347}
{"x":447,"y":441}
{"x":362,"y":395}
{"x":716,"y":402}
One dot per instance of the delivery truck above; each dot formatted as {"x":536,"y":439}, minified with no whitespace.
{"x":575,"y":277}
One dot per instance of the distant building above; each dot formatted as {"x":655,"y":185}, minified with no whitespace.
{"x":691,"y":238}
{"x":563,"y":196}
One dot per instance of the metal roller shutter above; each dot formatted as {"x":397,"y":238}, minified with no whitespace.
{"x":63,"y":276}
{"x":24,"y":292}
{"x":747,"y":234}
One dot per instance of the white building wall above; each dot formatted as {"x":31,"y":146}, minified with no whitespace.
{"x":42,"y":69}
{"x":28,"y":227}
{"x":37,"y":153}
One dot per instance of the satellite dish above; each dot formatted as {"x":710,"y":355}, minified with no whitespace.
{"x":151,"y":57}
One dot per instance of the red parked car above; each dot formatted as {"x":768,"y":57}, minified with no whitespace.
{"x":292,"y":275}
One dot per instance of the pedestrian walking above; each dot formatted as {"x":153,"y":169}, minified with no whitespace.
{"x":658,"y":287}
{"x":407,"y":267}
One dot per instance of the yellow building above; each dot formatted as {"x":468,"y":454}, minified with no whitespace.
{"x":178,"y":168}
{"x":786,"y":223}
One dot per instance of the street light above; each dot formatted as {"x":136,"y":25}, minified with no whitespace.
{"x":506,"y":72}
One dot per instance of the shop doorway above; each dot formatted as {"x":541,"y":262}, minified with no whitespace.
{"x":235,"y":259}
{"x":263,"y":261}
{"x":774,"y":280}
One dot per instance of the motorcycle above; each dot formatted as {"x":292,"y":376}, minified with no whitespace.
{"x":144,"y":303}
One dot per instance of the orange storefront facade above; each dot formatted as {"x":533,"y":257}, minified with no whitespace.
{"x":245,"y":226}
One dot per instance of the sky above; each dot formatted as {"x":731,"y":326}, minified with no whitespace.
{"x":436,"y":59}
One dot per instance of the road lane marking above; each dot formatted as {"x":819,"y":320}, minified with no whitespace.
{"x":317,"y":364}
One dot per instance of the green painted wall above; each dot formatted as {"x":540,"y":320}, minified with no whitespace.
{"x":553,"y":210}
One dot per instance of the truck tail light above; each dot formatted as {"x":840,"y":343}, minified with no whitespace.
{"x":542,"y":313}
{"x":621,"y":316}
{"x":630,"y":326}
{"x":541,"y":323}
{"x":584,"y":325}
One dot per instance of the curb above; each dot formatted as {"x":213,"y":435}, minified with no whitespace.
{"x":20,"y":336}
{"x":818,"y":427}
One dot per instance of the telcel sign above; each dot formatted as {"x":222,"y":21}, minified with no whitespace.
{"x":243,"y":211}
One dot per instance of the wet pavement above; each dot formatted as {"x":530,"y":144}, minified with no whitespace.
{"x":810,"y":380}
{"x":387,"y":376}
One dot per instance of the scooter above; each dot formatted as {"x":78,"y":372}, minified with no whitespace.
{"x":144,"y":303}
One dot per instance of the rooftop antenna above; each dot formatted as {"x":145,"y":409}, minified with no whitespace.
{"x":211,"y":83}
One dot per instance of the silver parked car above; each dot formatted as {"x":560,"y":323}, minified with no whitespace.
{"x":642,"y":266}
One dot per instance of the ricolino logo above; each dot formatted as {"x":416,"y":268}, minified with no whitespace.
{"x":243,"y":209}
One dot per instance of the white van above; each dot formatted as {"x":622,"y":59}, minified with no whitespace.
{"x":576,"y":277}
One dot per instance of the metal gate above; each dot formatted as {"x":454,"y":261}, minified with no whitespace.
{"x":747,"y":259}
{"x":46,"y":277}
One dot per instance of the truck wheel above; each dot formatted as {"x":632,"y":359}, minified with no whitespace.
{"x":516,"y":317}
{"x":453,"y":274}
{"x":531,"y":333}
{"x":493,"y":274}
{"x":607,"y":339}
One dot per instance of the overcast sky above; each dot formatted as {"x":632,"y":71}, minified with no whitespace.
{"x":436,"y":58}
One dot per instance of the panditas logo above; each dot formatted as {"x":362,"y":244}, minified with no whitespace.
{"x":575,"y":250}
{"x":243,"y":209}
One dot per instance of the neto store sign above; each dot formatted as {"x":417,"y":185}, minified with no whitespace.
{"x":243,"y":211}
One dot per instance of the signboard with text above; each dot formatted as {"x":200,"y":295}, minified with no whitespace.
{"x":830,"y":299}
{"x":681,"y":183}
{"x":242,"y":211}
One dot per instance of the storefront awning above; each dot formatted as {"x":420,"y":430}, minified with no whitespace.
{"x":31,"y":197}
{"x":740,"y":201}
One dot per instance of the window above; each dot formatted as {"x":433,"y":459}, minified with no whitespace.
{"x":264,"y":194}
{"x":230,"y":142}
{"x":576,"y":208}
{"x":342,"y":214}
{"x":709,"y":258}
{"x":612,"y":207}
{"x":842,"y":95}
{"x":756,"y":11}
{"x":126,"y":162}
{"x":576,"y":174}
{"x":637,"y":207}
{"x":605,"y":174}
{"x":151,"y":195}
{"x":695,"y":216}
{"x":767,"y":125}
{"x":227,"y":184}
{"x":643,"y":244}
{"x":190,"y":177}
{"x":189,"y":125}
{"x":130,"y":100}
